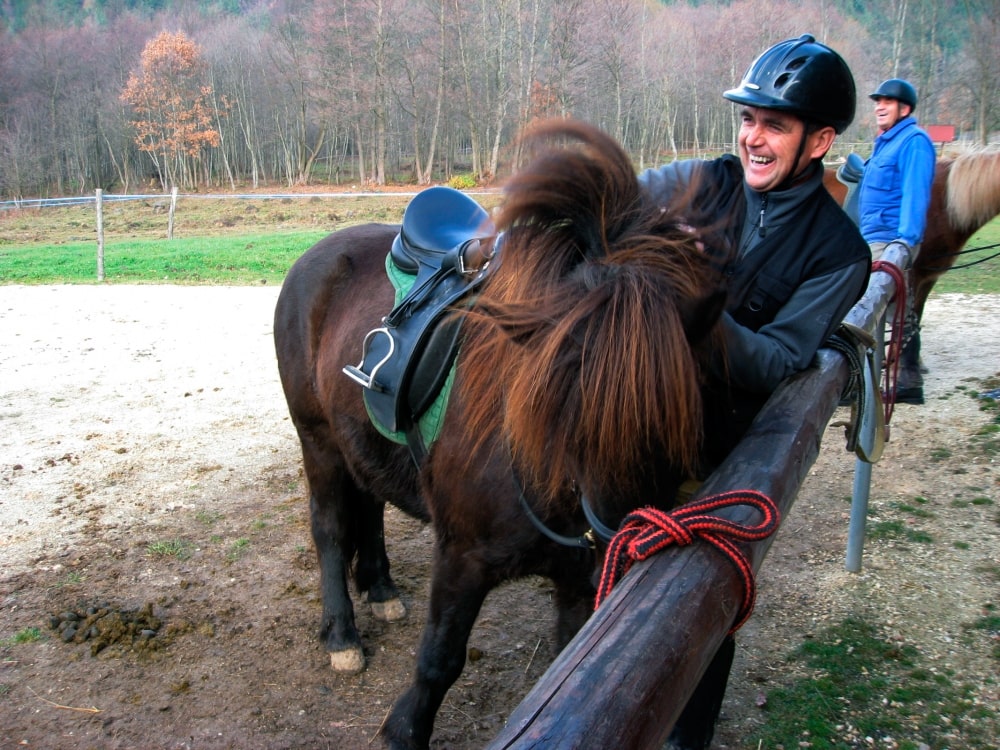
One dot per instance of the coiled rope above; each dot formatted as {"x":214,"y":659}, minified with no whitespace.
{"x":894,"y":347}
{"x":646,"y":531}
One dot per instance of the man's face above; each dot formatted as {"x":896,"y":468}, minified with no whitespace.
{"x":888,"y":112}
{"x":769,"y":141}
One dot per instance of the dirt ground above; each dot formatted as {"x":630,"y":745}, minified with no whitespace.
{"x":150,"y":487}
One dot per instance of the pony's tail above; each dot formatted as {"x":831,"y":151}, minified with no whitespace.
{"x":602,"y":302}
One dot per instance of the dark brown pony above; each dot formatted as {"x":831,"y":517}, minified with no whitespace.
{"x":579,"y":376}
{"x":964,"y":197}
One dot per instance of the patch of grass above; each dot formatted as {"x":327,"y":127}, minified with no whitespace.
{"x":989,"y":569}
{"x":238,"y":549}
{"x":72,"y":578}
{"x":991,"y":624}
{"x":218,"y":240}
{"x":987,"y":438}
{"x":914,"y":510}
{"x":25,"y":635}
{"x":178,"y":548}
{"x":940,"y":453}
{"x":861,"y":685}
{"x":896,"y":529}
{"x":980,"y":279}
{"x":208,"y":518}
{"x":199,"y":260}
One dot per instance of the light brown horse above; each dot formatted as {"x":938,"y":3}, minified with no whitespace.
{"x":579,"y":376}
{"x":964,"y":197}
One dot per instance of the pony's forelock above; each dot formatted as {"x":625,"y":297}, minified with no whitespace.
{"x":580,"y":336}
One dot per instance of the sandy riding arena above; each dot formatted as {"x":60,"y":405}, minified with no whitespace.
{"x":158,"y":587}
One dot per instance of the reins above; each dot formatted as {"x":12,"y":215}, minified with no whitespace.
{"x":586,"y":540}
{"x":965,"y":252}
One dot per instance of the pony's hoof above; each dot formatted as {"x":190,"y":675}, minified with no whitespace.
{"x":350,"y":660}
{"x":388,"y":611}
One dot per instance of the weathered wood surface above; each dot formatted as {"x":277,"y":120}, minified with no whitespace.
{"x":624,"y":679}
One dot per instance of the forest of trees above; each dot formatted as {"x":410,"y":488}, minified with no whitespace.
{"x":143,"y":95}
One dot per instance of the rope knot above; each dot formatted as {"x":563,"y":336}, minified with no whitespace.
{"x":646,"y":531}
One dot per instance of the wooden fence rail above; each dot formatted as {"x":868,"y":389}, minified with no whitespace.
{"x":623,"y":681}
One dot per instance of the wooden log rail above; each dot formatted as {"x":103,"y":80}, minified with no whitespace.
{"x":622,"y":682}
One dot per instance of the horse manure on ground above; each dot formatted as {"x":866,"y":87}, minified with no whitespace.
{"x":103,"y":626}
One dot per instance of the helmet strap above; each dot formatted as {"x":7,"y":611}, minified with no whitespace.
{"x":796,"y":173}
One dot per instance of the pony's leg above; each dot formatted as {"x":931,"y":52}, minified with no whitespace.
{"x":331,"y":495}
{"x":459,"y":587}
{"x":574,"y":596}
{"x":372,"y":574}
{"x":696,"y":725}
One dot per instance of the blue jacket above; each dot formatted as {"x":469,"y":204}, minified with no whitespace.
{"x":896,"y":187}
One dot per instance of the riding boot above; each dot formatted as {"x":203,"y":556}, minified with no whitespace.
{"x":696,"y":725}
{"x":910,"y":388}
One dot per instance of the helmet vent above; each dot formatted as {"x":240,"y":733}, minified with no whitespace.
{"x":780,"y":81}
{"x":797,"y":63}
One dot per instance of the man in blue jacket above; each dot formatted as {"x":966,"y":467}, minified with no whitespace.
{"x":896,"y":190}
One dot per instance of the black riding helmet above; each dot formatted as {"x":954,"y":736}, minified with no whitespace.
{"x":898,"y":89}
{"x":803,"y":77}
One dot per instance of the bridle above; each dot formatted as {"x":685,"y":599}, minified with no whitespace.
{"x":598,"y":531}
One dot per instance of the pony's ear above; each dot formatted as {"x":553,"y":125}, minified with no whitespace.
{"x":702,"y":315}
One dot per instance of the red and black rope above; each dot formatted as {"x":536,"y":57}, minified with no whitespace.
{"x":646,"y":531}
{"x":894,"y":347}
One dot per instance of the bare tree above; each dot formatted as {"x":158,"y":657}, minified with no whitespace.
{"x":981,"y":71}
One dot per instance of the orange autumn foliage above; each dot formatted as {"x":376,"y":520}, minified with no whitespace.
{"x":171,"y":105}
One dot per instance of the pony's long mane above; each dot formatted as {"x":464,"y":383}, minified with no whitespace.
{"x":583,"y":345}
{"x":974,"y":189}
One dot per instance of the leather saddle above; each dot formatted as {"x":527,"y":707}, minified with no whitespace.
{"x":440,"y":256}
{"x":849,"y":174}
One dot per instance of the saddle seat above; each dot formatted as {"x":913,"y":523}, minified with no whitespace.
{"x":440,"y":256}
{"x":436,"y":222}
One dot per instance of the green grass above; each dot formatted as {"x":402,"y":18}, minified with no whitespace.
{"x":861,"y":685}
{"x":234,"y":260}
{"x":897,"y":530}
{"x":983,"y":278}
{"x":26,"y":635}
{"x":178,"y":548}
{"x":987,"y":438}
{"x":46,"y":247}
{"x":238,"y":549}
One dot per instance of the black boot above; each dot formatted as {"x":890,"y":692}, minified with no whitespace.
{"x":696,"y":725}
{"x":910,"y":387}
